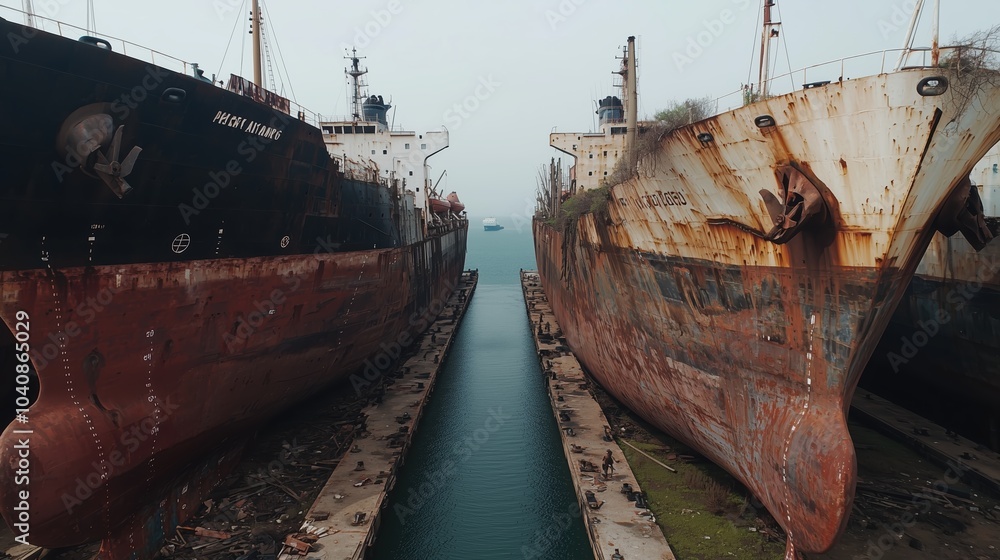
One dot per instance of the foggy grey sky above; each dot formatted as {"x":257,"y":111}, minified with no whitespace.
{"x":548,"y":60}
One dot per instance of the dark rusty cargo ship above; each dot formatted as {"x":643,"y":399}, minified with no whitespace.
{"x":940,"y":354}
{"x":733,"y":288}
{"x":180,"y":262}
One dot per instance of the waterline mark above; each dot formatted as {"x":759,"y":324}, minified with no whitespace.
{"x":132,"y":437}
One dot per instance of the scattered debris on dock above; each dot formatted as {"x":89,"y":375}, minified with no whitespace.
{"x":297,"y":492}
{"x":613,"y":505}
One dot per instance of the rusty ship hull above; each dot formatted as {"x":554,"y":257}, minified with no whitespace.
{"x":680,"y":304}
{"x":237,"y":271}
{"x":941,"y":352}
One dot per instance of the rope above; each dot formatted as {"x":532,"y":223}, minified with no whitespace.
{"x":230,"y":43}
{"x":281,"y":57}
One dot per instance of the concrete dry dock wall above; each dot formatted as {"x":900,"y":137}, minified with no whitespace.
{"x":965,"y":459}
{"x":616,"y":524}
{"x":345,"y":517}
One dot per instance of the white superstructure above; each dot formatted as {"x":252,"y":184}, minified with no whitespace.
{"x":364,"y":143}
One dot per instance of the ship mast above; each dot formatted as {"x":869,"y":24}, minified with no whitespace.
{"x":255,"y":29}
{"x":936,"y":44}
{"x":91,"y":18}
{"x":768,"y":33}
{"x":355,"y":72}
{"x":632,"y":95}
{"x":912,"y":32}
{"x":29,"y":14}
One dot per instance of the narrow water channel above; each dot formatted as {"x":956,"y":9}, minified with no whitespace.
{"x":486,"y":478}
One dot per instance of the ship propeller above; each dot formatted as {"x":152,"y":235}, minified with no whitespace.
{"x":113,"y":172}
{"x":803,"y":205}
{"x":964,"y":212}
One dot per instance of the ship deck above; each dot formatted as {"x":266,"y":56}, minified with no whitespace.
{"x":617,"y":524}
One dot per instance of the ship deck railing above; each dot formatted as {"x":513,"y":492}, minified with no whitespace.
{"x":448,"y":225}
{"x":138,"y":52}
{"x":121,"y":46}
{"x":349,"y":119}
{"x":842,"y":69}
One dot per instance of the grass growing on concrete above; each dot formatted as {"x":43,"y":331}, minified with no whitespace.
{"x":683,"y":503}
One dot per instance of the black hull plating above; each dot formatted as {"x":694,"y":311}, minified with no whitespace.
{"x":234,"y":193}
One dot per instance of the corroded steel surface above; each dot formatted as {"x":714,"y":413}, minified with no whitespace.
{"x":747,"y":350}
{"x":144,"y":368}
{"x":942,"y":347}
{"x":385,"y":447}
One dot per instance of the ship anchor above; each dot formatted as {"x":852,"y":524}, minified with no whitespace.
{"x":82,"y":137}
{"x":963,"y":212}
{"x":113,"y":172}
{"x":803,"y":206}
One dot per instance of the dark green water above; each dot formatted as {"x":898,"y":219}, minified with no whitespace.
{"x":486,"y":478}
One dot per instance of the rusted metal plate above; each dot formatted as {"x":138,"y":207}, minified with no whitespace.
{"x":144,"y":368}
{"x":747,"y":350}
{"x":941,"y":350}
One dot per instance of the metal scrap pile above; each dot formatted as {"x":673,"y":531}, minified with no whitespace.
{"x":948,"y":509}
{"x":259,"y":513}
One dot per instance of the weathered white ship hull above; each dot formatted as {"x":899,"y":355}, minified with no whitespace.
{"x":941,"y":351}
{"x":680,"y":304}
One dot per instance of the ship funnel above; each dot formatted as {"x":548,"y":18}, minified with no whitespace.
{"x":375,"y":110}
{"x":610,"y":110}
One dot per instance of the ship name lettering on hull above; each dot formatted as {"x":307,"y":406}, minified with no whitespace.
{"x":246,"y":125}
{"x":659,"y":198}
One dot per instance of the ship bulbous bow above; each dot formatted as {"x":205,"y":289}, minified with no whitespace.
{"x":763,"y":266}
{"x":815,"y":475}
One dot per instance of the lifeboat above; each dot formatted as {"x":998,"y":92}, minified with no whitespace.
{"x":439,"y":206}
{"x":456,"y":206}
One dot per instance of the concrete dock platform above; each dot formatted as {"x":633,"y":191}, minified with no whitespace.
{"x":613,"y":522}
{"x":979,"y":466}
{"x":343,"y":521}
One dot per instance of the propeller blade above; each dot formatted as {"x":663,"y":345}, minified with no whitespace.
{"x":130,"y":161}
{"x":104,"y":168}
